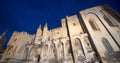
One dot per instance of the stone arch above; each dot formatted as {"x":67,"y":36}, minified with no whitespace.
{"x":25,"y":55}
{"x":107,"y":45}
{"x":93,"y":24}
{"x":60,"y":51}
{"x":53,"y":53}
{"x":44,"y":54}
{"x":93,"y":18}
{"x":53,"y":48}
{"x":87,"y":44}
{"x":67,"y":46}
{"x":19,"y":52}
{"x":67,"y":50}
{"x":112,"y":13}
{"x":32,"y":53}
{"x":77,"y":47}
{"x":10,"y":51}
{"x":45,"y":48}
{"x":107,"y":17}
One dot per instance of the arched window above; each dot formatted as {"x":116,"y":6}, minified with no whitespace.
{"x":93,"y":24}
{"x":78,"y":44}
{"x":45,"y":48}
{"x":107,"y":45}
{"x":113,"y":14}
{"x":106,"y":17}
{"x":68,"y":46}
{"x":60,"y":49}
{"x":54,"y":49}
{"x":108,"y":21}
{"x":32,"y":53}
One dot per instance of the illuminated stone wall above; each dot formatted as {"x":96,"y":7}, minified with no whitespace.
{"x":92,"y":36}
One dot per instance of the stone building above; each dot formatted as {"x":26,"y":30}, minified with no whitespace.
{"x":2,"y":39}
{"x":92,"y":36}
{"x":2,"y":42}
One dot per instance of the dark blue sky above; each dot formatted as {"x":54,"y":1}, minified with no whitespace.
{"x":26,"y":15}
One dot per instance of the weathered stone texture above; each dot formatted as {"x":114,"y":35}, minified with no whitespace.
{"x":92,"y":36}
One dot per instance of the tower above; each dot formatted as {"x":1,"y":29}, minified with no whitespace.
{"x":45,"y":29}
{"x":38,"y":37}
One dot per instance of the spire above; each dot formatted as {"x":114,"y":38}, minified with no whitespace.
{"x":45,"y":28}
{"x":39,"y":30}
{"x":46,"y":24}
{"x":39,"y":26}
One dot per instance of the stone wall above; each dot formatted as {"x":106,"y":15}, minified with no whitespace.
{"x":83,"y":38}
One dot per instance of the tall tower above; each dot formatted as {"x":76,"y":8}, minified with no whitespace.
{"x":45,"y":29}
{"x":45,"y":33}
{"x":38,"y":37}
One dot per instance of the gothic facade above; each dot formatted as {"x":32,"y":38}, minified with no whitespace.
{"x":92,"y":36}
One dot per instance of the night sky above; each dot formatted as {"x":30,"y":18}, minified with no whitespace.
{"x":27,"y":15}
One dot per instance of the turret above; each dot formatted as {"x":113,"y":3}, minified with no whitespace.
{"x":39,"y":30}
{"x":63,"y":23}
{"x":38,"y":35}
{"x":45,"y":28}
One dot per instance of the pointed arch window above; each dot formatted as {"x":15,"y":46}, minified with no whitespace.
{"x":107,"y":45}
{"x":68,"y":46}
{"x":78,"y":45}
{"x":93,"y":24}
{"x":108,"y":19}
{"x":113,"y":14}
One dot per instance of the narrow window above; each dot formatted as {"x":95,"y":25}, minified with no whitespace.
{"x":113,"y":14}
{"x":45,"y":48}
{"x":78,"y":45}
{"x":107,"y":45}
{"x":93,"y":24}
{"x":26,"y":53}
{"x":108,"y":19}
